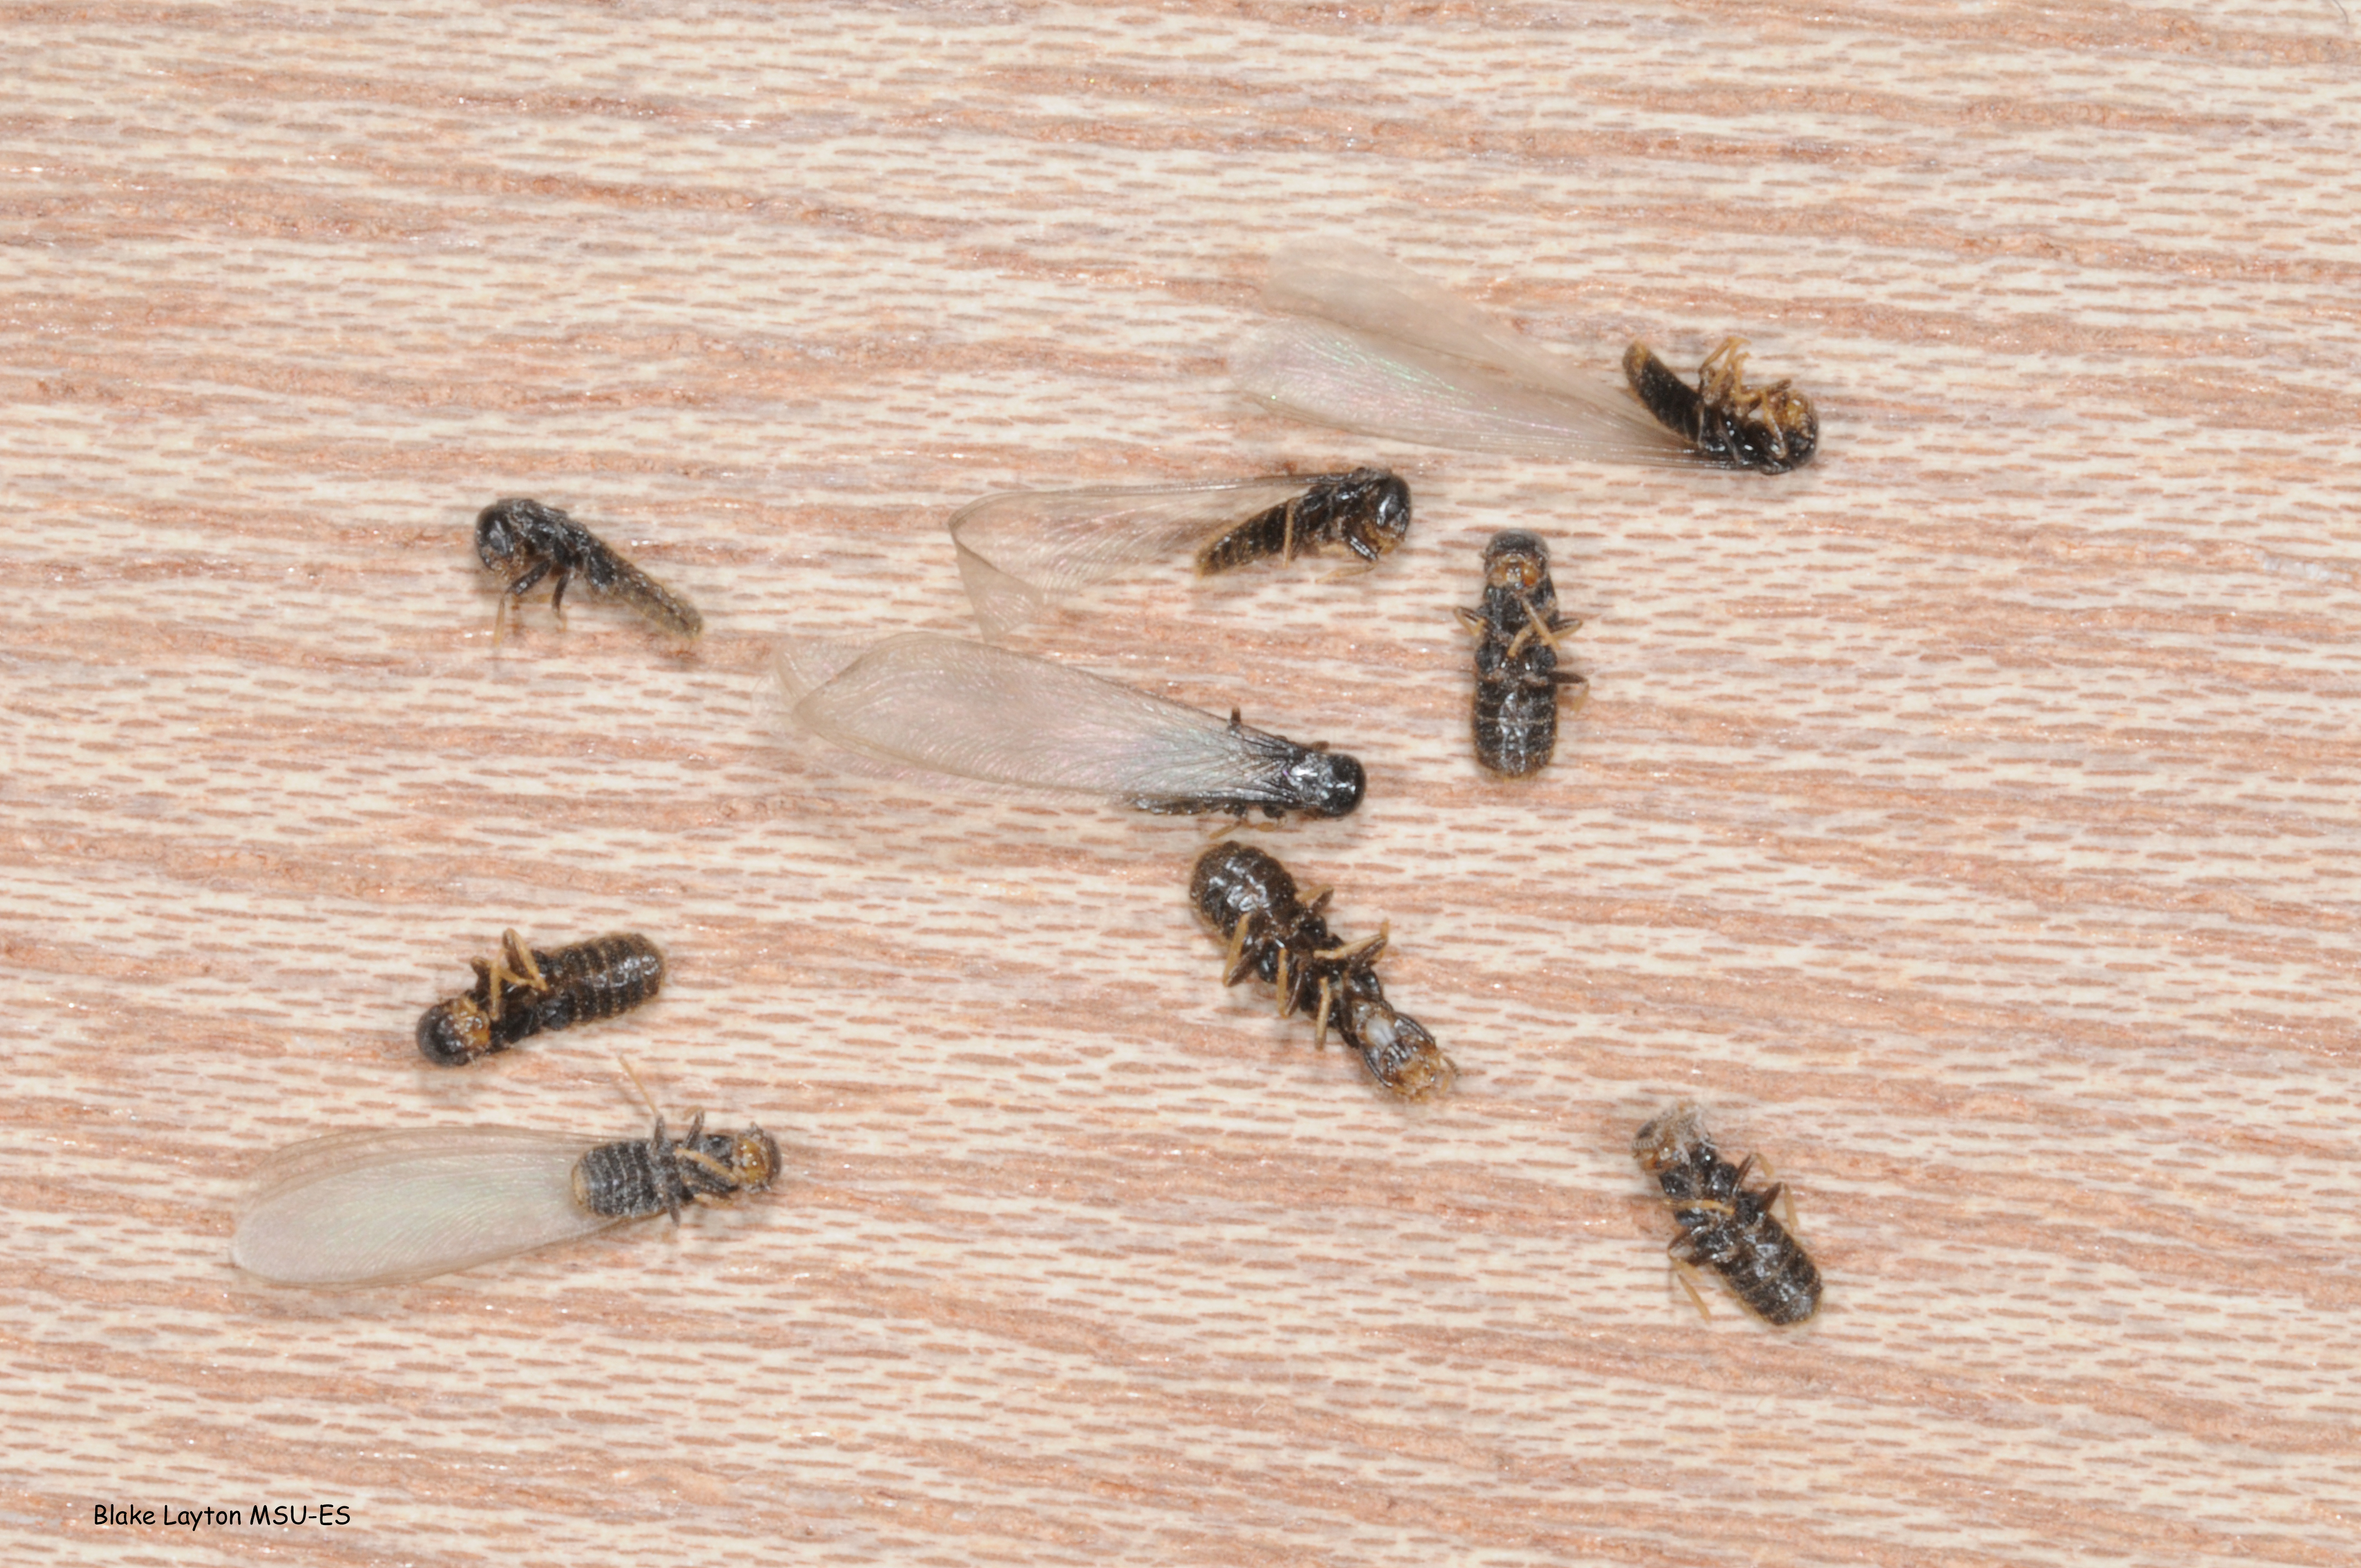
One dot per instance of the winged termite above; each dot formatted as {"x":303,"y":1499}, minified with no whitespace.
{"x":382,"y":1206}
{"x":1020,"y":549}
{"x":985,"y":713}
{"x":1382,"y":351}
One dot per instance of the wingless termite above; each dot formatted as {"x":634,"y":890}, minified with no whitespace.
{"x":1379,"y":350}
{"x":526,"y":542}
{"x":1724,"y":1225}
{"x":979,"y":712}
{"x":1517,"y":677}
{"x":1250,"y":901}
{"x":524,"y":991}
{"x":1019,"y":551}
{"x":382,"y":1207}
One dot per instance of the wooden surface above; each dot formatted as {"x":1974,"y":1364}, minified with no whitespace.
{"x":1970,"y":822}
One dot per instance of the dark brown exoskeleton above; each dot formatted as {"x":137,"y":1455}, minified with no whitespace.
{"x":1251,"y":902}
{"x":525,"y":991}
{"x":1367,"y":511}
{"x":1517,"y":677}
{"x":1725,"y":1225}
{"x":1772,"y":429}
{"x":526,"y":542}
{"x":636,"y":1177}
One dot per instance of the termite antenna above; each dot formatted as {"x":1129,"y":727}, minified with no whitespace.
{"x":645,"y":1098}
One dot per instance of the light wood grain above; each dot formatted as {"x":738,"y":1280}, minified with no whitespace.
{"x":1970,"y":822}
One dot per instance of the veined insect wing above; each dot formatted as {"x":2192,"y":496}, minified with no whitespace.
{"x":1020,"y":549}
{"x":382,"y":1207}
{"x":1386,"y":352}
{"x":981,"y":712}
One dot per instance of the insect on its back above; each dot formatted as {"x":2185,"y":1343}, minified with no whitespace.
{"x":1725,"y":1225}
{"x":526,"y":991}
{"x":1771,"y":429}
{"x":635,"y":1178}
{"x":1366,"y":511}
{"x":1517,"y":677}
{"x":1250,"y":901}
{"x":392,"y":1204}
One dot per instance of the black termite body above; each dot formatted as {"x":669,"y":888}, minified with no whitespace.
{"x":526,"y":991}
{"x":1725,"y":1225}
{"x":635,"y":1178}
{"x":1367,"y":511}
{"x":1517,"y":677}
{"x":1250,"y":900}
{"x":1770,"y":428}
{"x":527,"y":542}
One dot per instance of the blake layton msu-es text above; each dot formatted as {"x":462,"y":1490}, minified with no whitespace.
{"x":194,"y":1519}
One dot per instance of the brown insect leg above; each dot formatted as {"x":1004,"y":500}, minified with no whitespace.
{"x":1683,"y":1272}
{"x":526,"y":973}
{"x":1235,"y":963}
{"x":1328,"y":1005}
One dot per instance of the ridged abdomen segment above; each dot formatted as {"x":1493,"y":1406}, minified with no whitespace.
{"x":1516,"y":714}
{"x":587,"y":982}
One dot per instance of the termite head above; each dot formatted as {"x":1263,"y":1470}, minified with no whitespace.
{"x":455,"y":1033}
{"x":504,"y":530}
{"x":1401,"y":1054}
{"x":1670,"y":1140}
{"x":753,"y":1160}
{"x":1771,"y":429}
{"x":1383,"y":518}
{"x":1516,"y":561}
{"x":1325,"y":784}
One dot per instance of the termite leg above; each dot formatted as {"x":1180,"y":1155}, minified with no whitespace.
{"x":526,"y":974}
{"x":1535,"y":627}
{"x":1682,"y":1272}
{"x":557,"y":596}
{"x":1285,"y":1000}
{"x":1235,"y":963}
{"x":1328,"y":1005}
{"x":1473,"y":620}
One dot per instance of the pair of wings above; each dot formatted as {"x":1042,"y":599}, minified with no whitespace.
{"x":375,"y":1208}
{"x":1378,"y":349}
{"x":985,"y":713}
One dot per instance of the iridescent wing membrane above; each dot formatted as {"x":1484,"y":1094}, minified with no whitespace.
{"x":375,"y":1208}
{"x":981,"y":712}
{"x":1386,"y":353}
{"x":1020,"y":551}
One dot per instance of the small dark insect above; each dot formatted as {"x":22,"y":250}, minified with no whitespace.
{"x":1516,"y":675}
{"x":1250,"y":901}
{"x":1771,"y":429}
{"x":385,"y":1205}
{"x":1725,"y":1225}
{"x":633,"y":1179}
{"x":1367,"y":511}
{"x":527,"y":542}
{"x":523,"y":991}
{"x":1019,"y":552}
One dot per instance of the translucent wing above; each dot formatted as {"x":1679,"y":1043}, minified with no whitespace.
{"x":1017,"y":552}
{"x":1389,"y":354}
{"x":375,"y":1208}
{"x":985,"y":713}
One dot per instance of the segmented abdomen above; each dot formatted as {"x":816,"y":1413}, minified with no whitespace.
{"x":587,"y":982}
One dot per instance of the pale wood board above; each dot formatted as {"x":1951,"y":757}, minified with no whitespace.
{"x":1969,"y":822}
